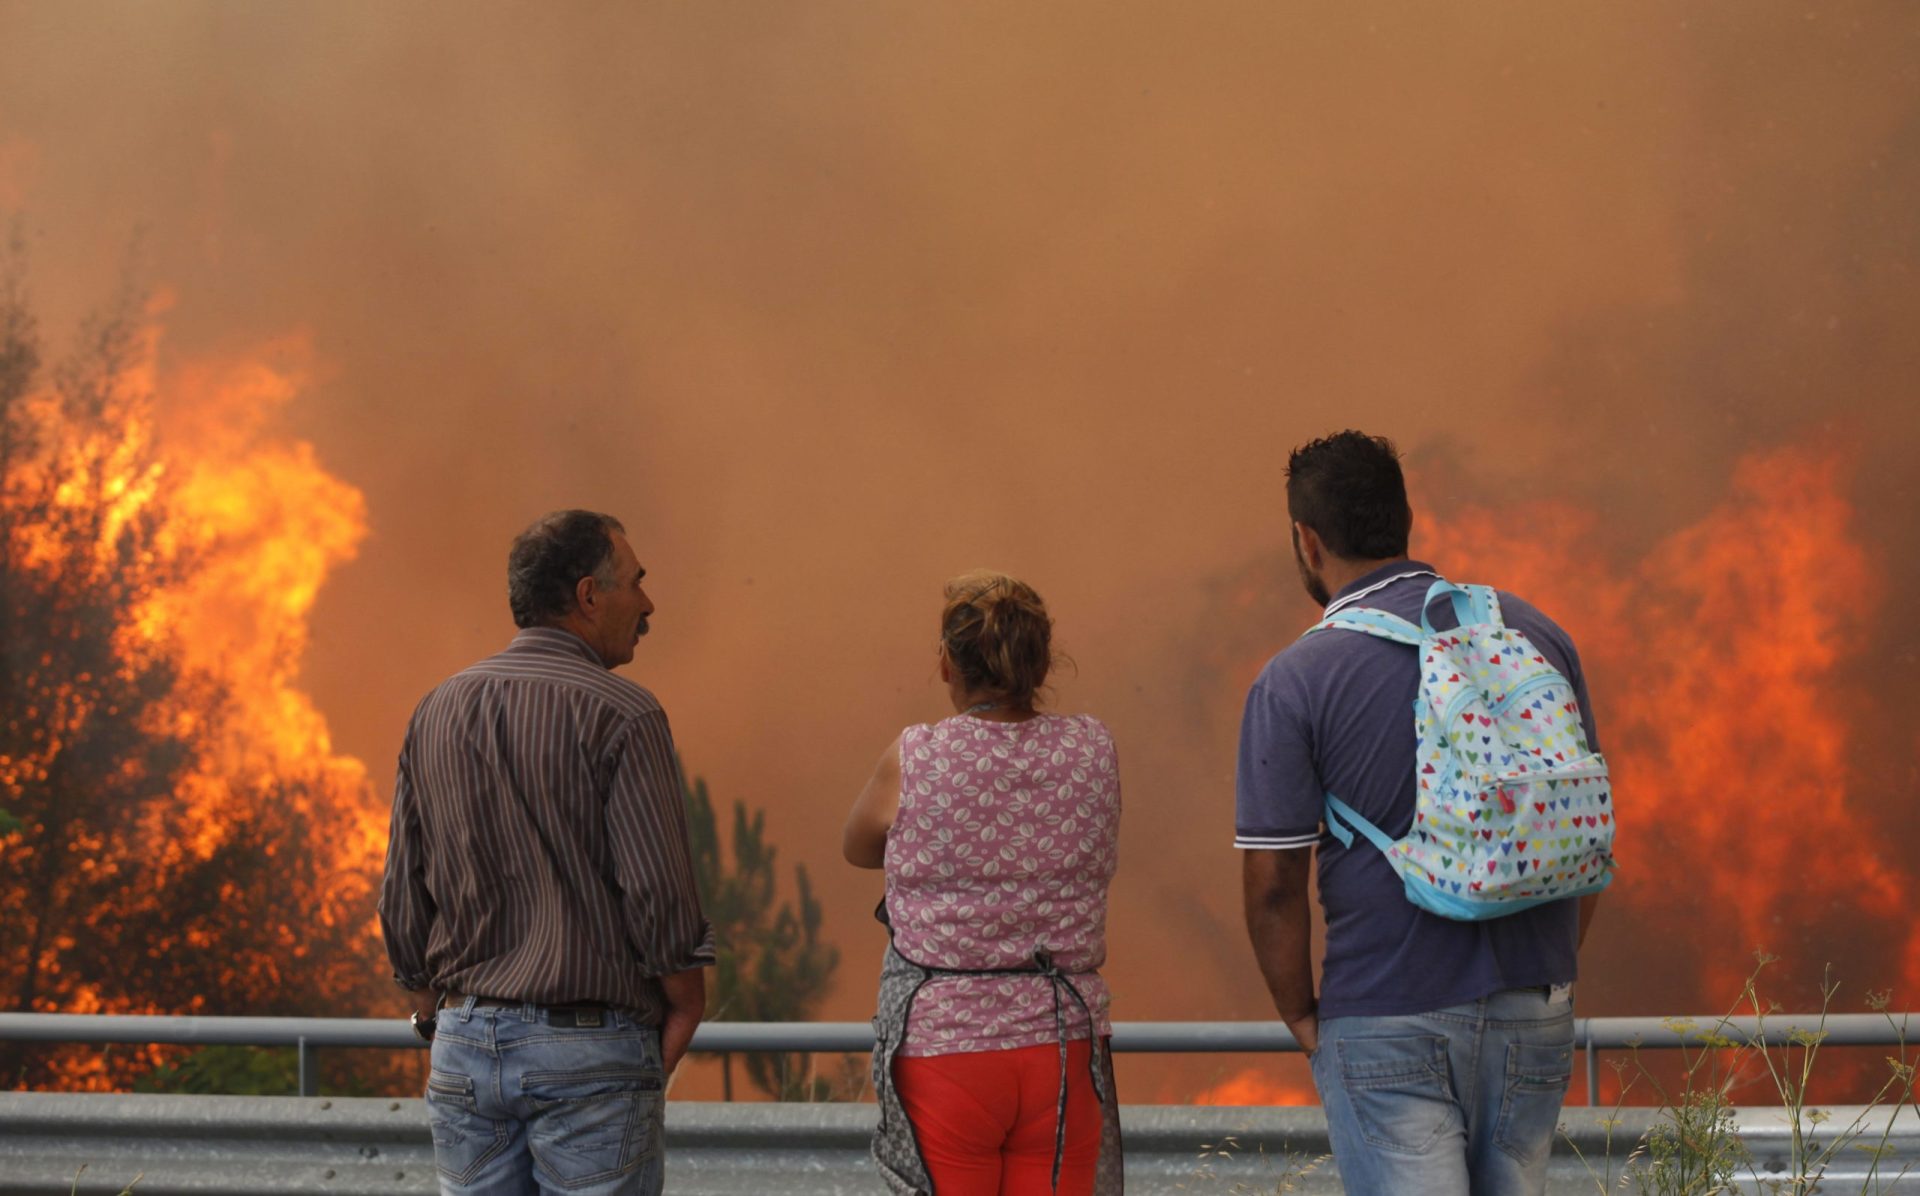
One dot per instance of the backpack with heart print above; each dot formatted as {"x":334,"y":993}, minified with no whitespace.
{"x":1513,"y":808}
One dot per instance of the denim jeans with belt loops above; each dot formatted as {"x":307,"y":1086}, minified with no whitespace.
{"x":519,"y":1105}
{"x":1461,"y":1101}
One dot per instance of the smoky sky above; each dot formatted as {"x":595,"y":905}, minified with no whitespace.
{"x":829,"y":302}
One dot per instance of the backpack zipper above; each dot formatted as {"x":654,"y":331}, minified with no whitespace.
{"x":1527,"y":686}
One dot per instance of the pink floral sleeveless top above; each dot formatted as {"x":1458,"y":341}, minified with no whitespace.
{"x":1007,"y":836}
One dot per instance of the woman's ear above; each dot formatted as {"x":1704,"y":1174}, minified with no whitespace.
{"x":946,"y":667}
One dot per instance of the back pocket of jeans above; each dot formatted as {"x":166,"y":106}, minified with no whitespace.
{"x":1536,"y":1085}
{"x":1400,"y":1090}
{"x":450,"y":1088}
{"x":451,"y":1100}
{"x":463,"y":1141}
{"x":593,"y":1124}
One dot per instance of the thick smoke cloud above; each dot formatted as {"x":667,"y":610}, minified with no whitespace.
{"x":832,"y":301}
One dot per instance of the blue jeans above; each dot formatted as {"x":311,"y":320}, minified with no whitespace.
{"x":518,"y":1105}
{"x":1462,"y":1101}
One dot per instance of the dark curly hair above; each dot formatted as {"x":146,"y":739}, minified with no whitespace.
{"x":1349,"y":489}
{"x":549,"y":559}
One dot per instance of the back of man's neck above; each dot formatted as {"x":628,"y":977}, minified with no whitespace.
{"x":1339,"y":574}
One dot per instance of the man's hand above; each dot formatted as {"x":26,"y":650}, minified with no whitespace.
{"x":686,"y":1002}
{"x":1306,"y":1032}
{"x":426,"y":1004}
{"x":1274,"y":889}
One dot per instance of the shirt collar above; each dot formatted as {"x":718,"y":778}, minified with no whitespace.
{"x":554,"y":640}
{"x":1377,"y":579}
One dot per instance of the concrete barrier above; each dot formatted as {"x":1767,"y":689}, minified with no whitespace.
{"x":262,"y":1146}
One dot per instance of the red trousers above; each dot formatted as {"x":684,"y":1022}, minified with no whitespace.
{"x":985,"y":1119}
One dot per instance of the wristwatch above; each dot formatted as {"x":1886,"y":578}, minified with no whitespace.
{"x":422,"y":1026}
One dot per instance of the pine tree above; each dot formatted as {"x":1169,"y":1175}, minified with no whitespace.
{"x":772,"y":965}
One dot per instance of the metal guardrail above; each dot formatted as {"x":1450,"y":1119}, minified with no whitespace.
{"x":229,"y":1146}
{"x":1592,"y":1034}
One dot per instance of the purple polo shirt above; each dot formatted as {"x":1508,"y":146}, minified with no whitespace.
{"x":1333,"y":713}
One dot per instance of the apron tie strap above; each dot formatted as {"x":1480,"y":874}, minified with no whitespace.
{"x":1046,"y":969}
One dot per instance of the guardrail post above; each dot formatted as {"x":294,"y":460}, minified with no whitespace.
{"x":309,"y":1074}
{"x":1593,"y":1069}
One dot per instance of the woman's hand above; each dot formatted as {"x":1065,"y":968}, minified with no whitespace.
{"x":864,"y":841}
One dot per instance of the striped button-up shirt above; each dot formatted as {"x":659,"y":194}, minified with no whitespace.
{"x":539,"y":846}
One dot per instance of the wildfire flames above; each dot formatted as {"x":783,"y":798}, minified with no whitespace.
{"x":1718,"y":658}
{"x":1255,"y":1086}
{"x":219,"y":535}
{"x":1715,"y":662}
{"x":266,"y":523}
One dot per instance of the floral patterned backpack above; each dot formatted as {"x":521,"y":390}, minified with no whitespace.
{"x":1513,"y":809}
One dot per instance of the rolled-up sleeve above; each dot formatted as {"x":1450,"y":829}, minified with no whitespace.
{"x":652,"y":862}
{"x":406,"y":907}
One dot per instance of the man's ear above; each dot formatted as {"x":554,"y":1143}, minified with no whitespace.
{"x":586,"y":595}
{"x":1311,"y":549}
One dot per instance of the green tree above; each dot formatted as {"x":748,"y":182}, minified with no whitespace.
{"x":227,"y":1071}
{"x":772,"y":965}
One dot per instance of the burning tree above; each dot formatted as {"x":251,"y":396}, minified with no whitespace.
{"x":81,"y":757}
{"x":178,"y":839}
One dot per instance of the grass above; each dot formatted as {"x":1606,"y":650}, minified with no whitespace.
{"x":1694,"y":1147}
{"x":1292,"y":1170}
{"x":126,"y":1191}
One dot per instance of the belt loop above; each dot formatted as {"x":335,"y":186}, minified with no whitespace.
{"x":466,"y":1008}
{"x":529,"y":1012}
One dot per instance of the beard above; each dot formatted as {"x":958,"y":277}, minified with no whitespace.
{"x":1316,"y":588}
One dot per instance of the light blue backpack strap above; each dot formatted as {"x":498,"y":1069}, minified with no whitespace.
{"x":1490,"y":604}
{"x":1372,"y":622}
{"x":1339,"y":812}
{"x":1471,"y":604}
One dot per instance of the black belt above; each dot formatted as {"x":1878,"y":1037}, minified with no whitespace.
{"x":584,"y":1015}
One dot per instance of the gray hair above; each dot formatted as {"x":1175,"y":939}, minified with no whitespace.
{"x":549,"y":559}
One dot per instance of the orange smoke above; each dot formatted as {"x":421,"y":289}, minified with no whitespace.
{"x":1714,"y":661}
{"x":19,"y":159}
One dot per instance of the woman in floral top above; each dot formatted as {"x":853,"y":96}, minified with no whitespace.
{"x":997,"y":829}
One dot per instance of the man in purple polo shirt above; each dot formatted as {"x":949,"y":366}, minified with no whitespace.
{"x":1441,"y":1049}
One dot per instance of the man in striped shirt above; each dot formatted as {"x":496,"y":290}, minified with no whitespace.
{"x":539,"y":901}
